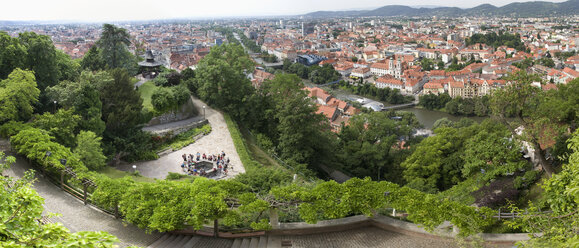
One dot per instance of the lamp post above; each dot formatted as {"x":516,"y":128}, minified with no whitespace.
{"x":204,"y":112}
{"x":54,"y":109}
{"x":135,"y":168}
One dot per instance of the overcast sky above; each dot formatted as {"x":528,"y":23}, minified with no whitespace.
{"x":111,"y":10}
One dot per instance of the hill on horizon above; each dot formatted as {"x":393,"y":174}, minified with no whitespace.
{"x":518,"y":9}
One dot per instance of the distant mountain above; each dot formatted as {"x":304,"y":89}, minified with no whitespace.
{"x":525,"y":9}
{"x":326,"y":14}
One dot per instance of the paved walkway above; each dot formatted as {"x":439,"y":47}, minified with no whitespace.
{"x":365,"y":237}
{"x":74,"y":214}
{"x":218,"y":140}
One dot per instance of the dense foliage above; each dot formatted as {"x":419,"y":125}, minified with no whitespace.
{"x":479,"y":106}
{"x":373,"y":143}
{"x":392,"y":96}
{"x":316,"y":74}
{"x":21,"y":211}
{"x":496,"y":40}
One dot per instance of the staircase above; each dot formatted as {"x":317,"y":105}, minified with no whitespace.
{"x":184,"y":241}
{"x":257,"y":242}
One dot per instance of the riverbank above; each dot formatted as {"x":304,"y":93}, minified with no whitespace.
{"x":426,"y":117}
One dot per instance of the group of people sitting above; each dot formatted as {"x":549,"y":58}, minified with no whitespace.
{"x":192,"y":164}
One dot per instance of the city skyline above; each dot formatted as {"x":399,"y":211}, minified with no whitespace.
{"x":109,"y":10}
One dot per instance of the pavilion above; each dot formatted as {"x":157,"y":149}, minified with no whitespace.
{"x":150,"y":67}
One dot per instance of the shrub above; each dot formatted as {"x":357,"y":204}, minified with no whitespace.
{"x":244,"y":156}
{"x":264,"y":142}
{"x":523,"y":182}
{"x":12,"y":128}
{"x":162,"y":99}
{"x":175,"y":176}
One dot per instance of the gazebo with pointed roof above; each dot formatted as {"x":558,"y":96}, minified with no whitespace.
{"x":150,"y":66}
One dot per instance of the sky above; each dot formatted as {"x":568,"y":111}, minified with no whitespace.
{"x":121,"y":10}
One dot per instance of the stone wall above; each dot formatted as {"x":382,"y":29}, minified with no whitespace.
{"x":186,"y":111}
{"x":170,"y":133}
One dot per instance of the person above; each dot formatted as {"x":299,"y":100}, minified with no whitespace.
{"x":183,"y":167}
{"x":184,"y":157}
{"x":222,"y":153}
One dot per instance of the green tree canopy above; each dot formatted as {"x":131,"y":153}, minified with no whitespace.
{"x":12,"y":55}
{"x":18,"y":95}
{"x":114,"y":51}
{"x":42,"y":58}
{"x":89,"y":150}
{"x":521,"y":100}
{"x":121,"y":104}
{"x":221,"y":80}
{"x":92,"y":60}
{"x":62,"y":125}
{"x":365,"y":144}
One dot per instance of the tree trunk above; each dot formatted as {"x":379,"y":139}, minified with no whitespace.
{"x":541,"y":161}
{"x":215,"y":228}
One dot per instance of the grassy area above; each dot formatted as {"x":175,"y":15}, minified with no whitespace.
{"x":146,"y":90}
{"x":256,"y":152}
{"x":248,"y":163}
{"x":114,"y":173}
{"x":186,"y":138}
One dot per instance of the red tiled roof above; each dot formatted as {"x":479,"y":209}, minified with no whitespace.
{"x":327,"y":111}
{"x":383,"y":66}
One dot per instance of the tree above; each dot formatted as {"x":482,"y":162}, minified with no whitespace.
{"x":559,"y":227}
{"x":12,"y":55}
{"x":92,"y":60}
{"x":365,"y":144}
{"x":68,"y":69}
{"x":521,"y":100}
{"x":436,"y":163}
{"x":18,"y":95}
{"x":22,"y":208}
{"x":452,"y":107}
{"x":121,"y":104}
{"x":113,"y":45}
{"x":62,"y":125}
{"x":493,"y":151}
{"x":41,"y":58}
{"x":301,"y":131}
{"x":442,"y":122}
{"x":187,"y":74}
{"x":210,"y":202}
{"x":84,"y":96}
{"x":162,"y":99}
{"x":221,"y":79}
{"x":89,"y":151}
{"x":548,"y":62}
{"x":89,"y":108}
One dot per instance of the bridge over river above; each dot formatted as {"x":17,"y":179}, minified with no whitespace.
{"x":400,"y":106}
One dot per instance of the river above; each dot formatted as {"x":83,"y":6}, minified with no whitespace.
{"x":425,"y":117}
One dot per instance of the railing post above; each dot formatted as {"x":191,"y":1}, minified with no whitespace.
{"x":393,"y":212}
{"x":62,"y":179}
{"x":85,"y":186}
{"x":273,"y":218}
{"x":499,"y":213}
